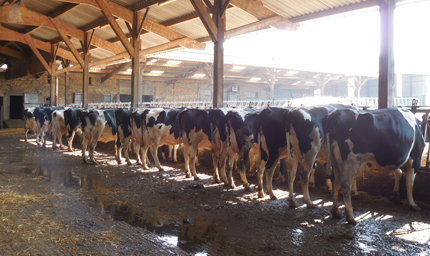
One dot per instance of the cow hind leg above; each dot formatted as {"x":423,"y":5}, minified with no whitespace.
{"x":346,"y":191}
{"x":229,"y":167}
{"x":292,"y":170}
{"x":193,"y":153}
{"x":395,"y":196}
{"x":85,"y":142}
{"x":154,"y":153}
{"x":410,"y":177}
{"x":269,"y":177}
{"x":261,"y":168}
{"x":187,"y":160}
{"x":215,"y":160}
{"x":70,"y":142}
{"x":127,"y":143}
{"x":144,"y":156}
{"x":175,"y":153}
{"x":305,"y":188}
{"x":335,"y":207}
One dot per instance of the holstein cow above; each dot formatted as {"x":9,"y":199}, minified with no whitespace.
{"x":125,"y":135}
{"x":382,"y":140}
{"x":30,"y":121}
{"x":304,"y":131}
{"x":162,"y":128}
{"x":272,"y":147}
{"x":43,"y":123}
{"x":58,"y":128}
{"x":242,"y":130}
{"x":97,"y":125}
{"x":73,"y":124}
{"x":196,"y":133}
{"x":219,"y":144}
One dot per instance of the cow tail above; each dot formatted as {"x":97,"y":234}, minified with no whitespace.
{"x":180,"y":129}
{"x":288,"y":145}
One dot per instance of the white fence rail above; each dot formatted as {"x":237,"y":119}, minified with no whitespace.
{"x":309,"y":101}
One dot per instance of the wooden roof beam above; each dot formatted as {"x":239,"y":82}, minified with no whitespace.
{"x":106,"y":10}
{"x":115,"y":71}
{"x":12,"y":53}
{"x":149,"y":25}
{"x":206,"y":19}
{"x":28,"y":17}
{"x":255,"y":8}
{"x":11,"y":35}
{"x":66,"y":40}
{"x":30,"y":43}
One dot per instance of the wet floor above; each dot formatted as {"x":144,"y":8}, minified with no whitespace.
{"x":203,"y":218}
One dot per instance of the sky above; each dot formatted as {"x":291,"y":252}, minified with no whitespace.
{"x":346,"y":43}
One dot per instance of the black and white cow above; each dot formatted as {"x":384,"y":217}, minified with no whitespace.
{"x":382,"y":140}
{"x":125,"y":133}
{"x":162,"y":128}
{"x":304,"y":128}
{"x":219,"y":145}
{"x":43,"y":118}
{"x":242,"y":131}
{"x":272,"y":147}
{"x":30,"y":121}
{"x":97,"y":125}
{"x":196,"y":134}
{"x":73,"y":124}
{"x":58,"y":128}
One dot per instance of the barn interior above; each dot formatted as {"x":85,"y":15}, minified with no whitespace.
{"x":170,"y":53}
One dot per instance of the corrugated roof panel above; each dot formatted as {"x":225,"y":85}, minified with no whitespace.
{"x":44,"y":7}
{"x":236,"y":17}
{"x":100,"y":54}
{"x":81,"y":16}
{"x":170,"y":11}
{"x":193,"y":29}
{"x":150,"y":40}
{"x":44,"y":34}
{"x":294,"y":8}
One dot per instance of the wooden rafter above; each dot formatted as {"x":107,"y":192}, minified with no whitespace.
{"x":66,"y":40}
{"x":206,"y":19}
{"x":10,"y":35}
{"x":31,"y":18}
{"x":187,"y":74}
{"x":7,"y":51}
{"x":115,"y":71}
{"x":114,"y":25}
{"x":127,"y":15}
{"x":255,"y":8}
{"x":30,"y":43}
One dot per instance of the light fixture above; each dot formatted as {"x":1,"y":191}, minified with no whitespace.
{"x":153,"y":60}
{"x":71,"y":65}
{"x":292,"y":72}
{"x":238,"y":67}
{"x":200,"y":75}
{"x":255,"y":79}
{"x":174,"y":62}
{"x":129,"y":70}
{"x":156,"y":72}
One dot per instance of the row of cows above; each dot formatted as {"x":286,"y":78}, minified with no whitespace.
{"x":348,"y":140}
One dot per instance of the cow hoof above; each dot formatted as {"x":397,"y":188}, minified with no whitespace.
{"x":311,"y":206}
{"x":145,"y":168}
{"x":336,"y":214}
{"x":359,"y":196}
{"x":129,"y":163}
{"x":232,"y":186}
{"x":247,"y":187}
{"x":70,"y":150}
{"x":351,"y":220}
{"x":273,"y":197}
{"x":216,"y":180}
{"x":196,"y":178}
{"x":415,"y":208}
{"x":292,"y":203}
{"x":260,"y":194}
{"x":160,"y":169}
{"x":188,"y":175}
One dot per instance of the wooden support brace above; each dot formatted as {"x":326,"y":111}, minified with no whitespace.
{"x":206,"y":19}
{"x":115,"y":71}
{"x":116,"y":28}
{"x":30,"y":43}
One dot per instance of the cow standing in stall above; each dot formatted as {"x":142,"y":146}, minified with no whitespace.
{"x":73,"y":124}
{"x":58,"y":128}
{"x":30,"y":121}
{"x":242,"y":130}
{"x":305,"y":134}
{"x":97,"y":125}
{"x":160,"y":127}
{"x":383,"y":140}
{"x":272,"y":147}
{"x":43,"y":117}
